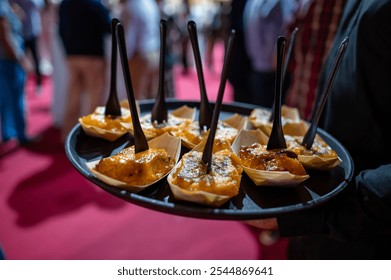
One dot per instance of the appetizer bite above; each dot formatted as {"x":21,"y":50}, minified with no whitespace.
{"x":260,"y":118}
{"x":210,"y":173}
{"x":190,"y":180}
{"x":192,"y":135}
{"x":267,"y":167}
{"x":182,"y":116}
{"x":320,"y":156}
{"x":136,"y":171}
{"x":98,"y":124}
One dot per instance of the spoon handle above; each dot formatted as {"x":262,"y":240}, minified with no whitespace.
{"x":309,"y":137}
{"x":112,"y":105}
{"x":205,"y":114}
{"x":140,"y":142}
{"x":289,"y":51}
{"x":207,"y":154}
{"x":159,"y":110}
{"x":287,"y":59}
{"x":276,"y":139}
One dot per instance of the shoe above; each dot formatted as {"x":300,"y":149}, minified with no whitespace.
{"x":2,"y":255}
{"x":27,"y":141}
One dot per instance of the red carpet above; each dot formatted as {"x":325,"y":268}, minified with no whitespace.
{"x":49,"y":211}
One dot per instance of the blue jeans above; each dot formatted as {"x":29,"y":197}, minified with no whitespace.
{"x":12,"y":104}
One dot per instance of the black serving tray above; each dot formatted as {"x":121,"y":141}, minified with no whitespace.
{"x":252,"y":202}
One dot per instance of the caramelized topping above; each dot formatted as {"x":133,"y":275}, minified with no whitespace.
{"x":223,"y":179}
{"x":155,"y":129}
{"x":100,"y":120}
{"x":136,"y":169}
{"x":192,"y":133}
{"x":106,"y":122}
{"x":319,"y":147}
{"x":257,"y":157}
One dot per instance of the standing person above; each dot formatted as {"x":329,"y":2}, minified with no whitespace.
{"x":317,"y":22}
{"x":264,"y":21}
{"x":32,"y":30}
{"x":240,"y":71}
{"x":83,"y":25}
{"x":12,"y":76}
{"x":357,"y":223}
{"x":140,"y":19}
{"x":183,"y":18}
{"x":171,"y":40}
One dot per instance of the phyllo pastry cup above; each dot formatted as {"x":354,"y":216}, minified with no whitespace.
{"x":141,"y":170}
{"x":189,"y":181}
{"x":181,"y":116}
{"x":110,"y":128}
{"x":271,"y":177}
{"x":227,"y":130}
{"x":260,"y":118}
{"x":320,"y":157}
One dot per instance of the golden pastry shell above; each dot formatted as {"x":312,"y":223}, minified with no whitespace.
{"x":236,"y":121}
{"x":199,"y":197}
{"x":261,"y":177}
{"x":184,"y":112}
{"x":290,"y":116}
{"x":314,"y":162}
{"x":107,"y":134}
{"x":165,"y":141}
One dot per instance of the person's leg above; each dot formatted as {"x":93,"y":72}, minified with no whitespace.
{"x":95,"y":79}
{"x":7,"y":129}
{"x":19,"y":103}
{"x":72,"y":108}
{"x":138,"y":71}
{"x":262,"y":87}
{"x":151,"y":81}
{"x":185,"y":61}
{"x":32,"y":43}
{"x":12,"y":108}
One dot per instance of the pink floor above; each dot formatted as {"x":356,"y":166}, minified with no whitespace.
{"x":49,"y":211}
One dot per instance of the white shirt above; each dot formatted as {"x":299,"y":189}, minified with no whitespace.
{"x":264,"y":22}
{"x":141,"y":21}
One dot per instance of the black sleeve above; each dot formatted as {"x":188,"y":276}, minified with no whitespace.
{"x":104,"y":20}
{"x":363,"y":210}
{"x":62,"y":18}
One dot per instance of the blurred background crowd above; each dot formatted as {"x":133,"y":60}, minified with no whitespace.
{"x":69,"y":41}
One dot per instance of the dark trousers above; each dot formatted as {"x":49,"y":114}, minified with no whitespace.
{"x":262,"y":88}
{"x":31,"y":44}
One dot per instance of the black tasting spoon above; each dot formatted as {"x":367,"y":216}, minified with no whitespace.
{"x":113,"y":107}
{"x":276,"y":139}
{"x":207,"y":153}
{"x":309,"y":137}
{"x":140,"y":141}
{"x":159,"y":110}
{"x":205,"y":114}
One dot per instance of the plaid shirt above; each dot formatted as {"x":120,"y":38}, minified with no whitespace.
{"x":313,"y":41}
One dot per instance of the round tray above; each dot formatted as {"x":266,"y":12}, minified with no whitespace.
{"x":252,"y":202}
